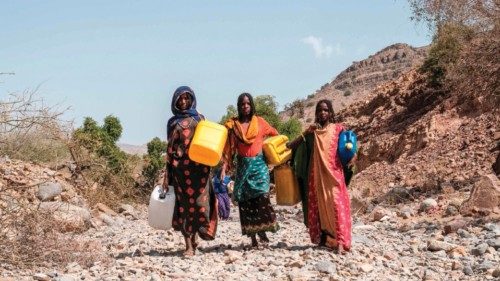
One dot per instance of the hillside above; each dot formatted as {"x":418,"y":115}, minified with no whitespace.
{"x":359,"y":79}
{"x":421,"y":139}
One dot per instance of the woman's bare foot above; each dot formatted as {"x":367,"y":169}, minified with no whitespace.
{"x":255,"y":244}
{"x":189,"y":252}
{"x":263,"y":237}
{"x":340,"y":250}
{"x":194,"y":242}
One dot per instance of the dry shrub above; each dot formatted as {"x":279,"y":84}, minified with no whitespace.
{"x":102,"y":184}
{"x":31,"y":130}
{"x":30,"y":238}
{"x":477,"y":71}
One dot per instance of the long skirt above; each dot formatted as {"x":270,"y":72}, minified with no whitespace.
{"x":257,"y":215}
{"x":195,"y":205}
{"x":224,"y":203}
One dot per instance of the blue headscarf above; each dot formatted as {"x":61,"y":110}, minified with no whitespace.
{"x":181,"y":114}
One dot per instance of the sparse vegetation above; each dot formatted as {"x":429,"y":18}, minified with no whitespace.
{"x":32,"y":131}
{"x":464,"y":54}
{"x":347,"y":93}
{"x":155,"y":161}
{"x":101,"y":163}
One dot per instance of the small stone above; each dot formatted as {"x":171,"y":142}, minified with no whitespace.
{"x":496,"y":272}
{"x":65,"y":278}
{"x":435,"y":246}
{"x":456,"y":265}
{"x":105,"y":209}
{"x":326,"y":267}
{"x":379,"y":213}
{"x":453,"y":226}
{"x":485,"y":266}
{"x":451,"y":211}
{"x":495,"y":243}
{"x":480,"y":249}
{"x":41,"y":277}
{"x":390,"y":256}
{"x":428,"y":204}
{"x":366,"y":268}
{"x":48,"y":191}
{"x":468,"y":270}
{"x":464,"y":233}
{"x":297,"y":263}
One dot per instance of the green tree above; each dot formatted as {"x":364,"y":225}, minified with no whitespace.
{"x":155,"y":160}
{"x":112,"y":127}
{"x":231,"y":112}
{"x":291,"y":128}
{"x":266,"y":107}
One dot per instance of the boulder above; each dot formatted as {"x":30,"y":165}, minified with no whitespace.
{"x":48,"y":191}
{"x":71,"y":217}
{"x":484,"y":197}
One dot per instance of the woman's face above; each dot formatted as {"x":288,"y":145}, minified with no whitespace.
{"x":184,"y":101}
{"x":245,"y":106}
{"x":323,"y":114}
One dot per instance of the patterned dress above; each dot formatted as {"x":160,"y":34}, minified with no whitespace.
{"x":195,"y":205}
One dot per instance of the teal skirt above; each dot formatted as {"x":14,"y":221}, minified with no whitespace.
{"x":252,"y":178}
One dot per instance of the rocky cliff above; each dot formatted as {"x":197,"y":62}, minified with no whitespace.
{"x":359,"y":79}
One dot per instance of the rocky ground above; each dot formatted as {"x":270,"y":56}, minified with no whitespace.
{"x":419,"y":240}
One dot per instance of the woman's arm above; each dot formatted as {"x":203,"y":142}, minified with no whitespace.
{"x":300,"y":139}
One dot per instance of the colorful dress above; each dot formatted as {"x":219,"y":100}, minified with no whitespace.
{"x":251,"y":187}
{"x":223,"y":200}
{"x":195,"y":205}
{"x":326,"y":203}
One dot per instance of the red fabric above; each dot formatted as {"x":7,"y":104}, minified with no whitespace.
{"x":336,"y":222}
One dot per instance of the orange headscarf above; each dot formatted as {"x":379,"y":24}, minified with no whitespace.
{"x":236,"y":133}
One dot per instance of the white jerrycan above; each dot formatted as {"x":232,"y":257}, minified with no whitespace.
{"x":161,"y":208}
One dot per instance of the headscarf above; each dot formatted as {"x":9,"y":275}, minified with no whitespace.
{"x":235,"y":134}
{"x":181,"y":114}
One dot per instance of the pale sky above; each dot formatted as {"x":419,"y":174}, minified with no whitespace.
{"x":127,"y":57}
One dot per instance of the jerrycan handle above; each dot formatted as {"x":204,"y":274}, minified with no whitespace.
{"x":163,"y":193}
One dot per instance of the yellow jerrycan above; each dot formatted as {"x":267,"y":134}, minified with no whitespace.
{"x":208,"y":143}
{"x":276,"y":151}
{"x":287,"y":187}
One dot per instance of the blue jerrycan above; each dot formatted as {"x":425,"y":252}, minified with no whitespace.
{"x":348,"y":146}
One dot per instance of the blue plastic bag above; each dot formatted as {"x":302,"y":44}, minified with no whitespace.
{"x":346,"y":139}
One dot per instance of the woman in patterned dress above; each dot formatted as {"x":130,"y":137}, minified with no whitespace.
{"x":195,"y":205}
{"x":251,"y":187}
{"x":320,"y":174}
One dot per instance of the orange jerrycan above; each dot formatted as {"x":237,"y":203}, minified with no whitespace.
{"x":276,"y":151}
{"x":287,"y":187}
{"x":208,"y":143}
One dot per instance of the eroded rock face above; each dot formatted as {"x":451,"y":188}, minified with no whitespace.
{"x":484,"y":197}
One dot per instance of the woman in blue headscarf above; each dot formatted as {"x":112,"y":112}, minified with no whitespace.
{"x":195,"y":206}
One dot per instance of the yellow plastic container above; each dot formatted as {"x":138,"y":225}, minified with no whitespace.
{"x":276,"y":151}
{"x":208,"y":143}
{"x":287,"y":187}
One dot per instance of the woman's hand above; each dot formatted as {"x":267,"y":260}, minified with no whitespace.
{"x":311,"y":129}
{"x":222,"y":172}
{"x":352,"y":162}
{"x":165,"y":182}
